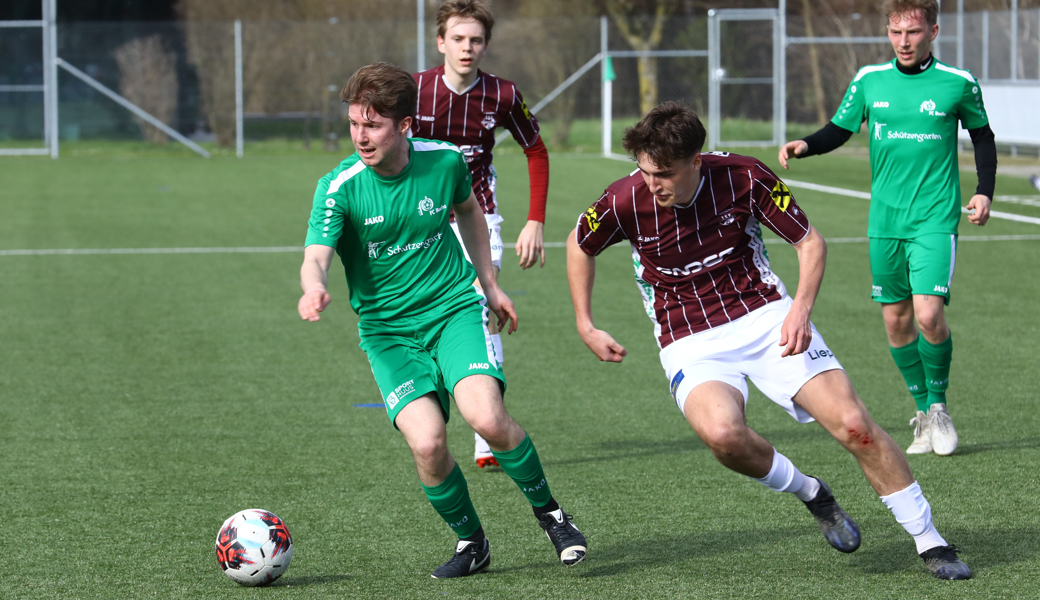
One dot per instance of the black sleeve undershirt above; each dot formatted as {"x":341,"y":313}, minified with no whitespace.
{"x":985,"y":159}
{"x":826,"y":139}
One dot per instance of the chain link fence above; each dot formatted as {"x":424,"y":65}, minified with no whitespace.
{"x":184,"y":74}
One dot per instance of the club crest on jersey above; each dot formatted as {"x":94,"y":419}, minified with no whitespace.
{"x":592,"y":219}
{"x":781,"y":195}
{"x":488,"y":121}
{"x":426,"y":207}
{"x":373,"y":249}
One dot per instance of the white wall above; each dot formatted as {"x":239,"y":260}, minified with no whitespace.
{"x":1014,"y":112}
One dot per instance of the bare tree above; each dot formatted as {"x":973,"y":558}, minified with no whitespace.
{"x":148,"y":78}
{"x":643,"y":32}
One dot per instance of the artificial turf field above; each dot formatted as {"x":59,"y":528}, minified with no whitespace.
{"x":146,"y":397}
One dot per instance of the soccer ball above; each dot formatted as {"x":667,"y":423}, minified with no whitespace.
{"x":254,"y":547}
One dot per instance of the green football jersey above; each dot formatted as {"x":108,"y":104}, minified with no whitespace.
{"x":912,"y":122}
{"x":392,"y":233}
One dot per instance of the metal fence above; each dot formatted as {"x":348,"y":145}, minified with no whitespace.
{"x":185,"y":74}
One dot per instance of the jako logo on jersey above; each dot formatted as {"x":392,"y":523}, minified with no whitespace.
{"x":781,"y":195}
{"x":373,"y":249}
{"x":881,"y":105}
{"x":647,"y":238}
{"x":426,"y":206}
{"x":592,"y":219}
{"x":426,"y":117}
{"x":941,"y":289}
{"x":479,"y":366}
{"x":374,"y":220}
{"x":488,"y":121}
{"x":696,"y":266}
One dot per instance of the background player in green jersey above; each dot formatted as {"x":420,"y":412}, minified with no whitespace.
{"x":912,"y":106}
{"x":423,"y":324}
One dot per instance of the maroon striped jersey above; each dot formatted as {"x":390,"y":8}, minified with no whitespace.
{"x":705,"y":264}
{"x":468,"y":119}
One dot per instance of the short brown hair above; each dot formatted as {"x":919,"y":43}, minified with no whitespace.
{"x":465,"y":9}
{"x":385,"y":88}
{"x":928,"y":8}
{"x":669,"y":133}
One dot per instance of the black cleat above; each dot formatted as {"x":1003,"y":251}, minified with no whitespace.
{"x":568,"y":540}
{"x":470,"y":558}
{"x":838,"y":527}
{"x":942,"y":562}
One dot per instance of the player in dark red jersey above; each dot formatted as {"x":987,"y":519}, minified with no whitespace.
{"x":461,"y":104}
{"x":721,"y":316}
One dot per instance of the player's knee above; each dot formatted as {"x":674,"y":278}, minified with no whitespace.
{"x":930,"y":323}
{"x":429,"y":450}
{"x":494,"y":431}
{"x":857,"y":430}
{"x":725,"y":440}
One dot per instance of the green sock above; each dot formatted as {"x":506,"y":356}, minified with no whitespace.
{"x":936,"y":359}
{"x":522,"y":465}
{"x":908,"y":360}
{"x":451,"y":501}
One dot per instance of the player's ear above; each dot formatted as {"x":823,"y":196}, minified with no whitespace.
{"x":440,"y":44}
{"x":934,"y":32}
{"x":405,"y":125}
{"x":695,"y":161}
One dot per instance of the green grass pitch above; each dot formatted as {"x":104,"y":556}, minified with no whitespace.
{"x":144,"y":398}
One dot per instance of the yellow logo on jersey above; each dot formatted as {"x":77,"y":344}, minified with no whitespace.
{"x":592,"y":218}
{"x":523,"y":106}
{"x":781,"y":195}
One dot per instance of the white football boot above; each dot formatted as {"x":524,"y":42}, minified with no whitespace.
{"x":482,"y":452}
{"x":922,"y":434}
{"x":944,"y":436}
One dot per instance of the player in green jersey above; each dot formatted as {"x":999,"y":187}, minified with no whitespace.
{"x":912,"y":106}
{"x":422,"y":322}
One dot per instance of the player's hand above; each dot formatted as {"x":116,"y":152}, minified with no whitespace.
{"x":792,"y":150}
{"x":312,"y":303}
{"x":796,"y":332}
{"x":604,"y":346}
{"x":980,"y":205}
{"x":531,"y":244}
{"x":502,"y":306}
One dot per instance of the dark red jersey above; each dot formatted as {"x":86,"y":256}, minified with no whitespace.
{"x":468,"y":119}
{"x":704,"y":265}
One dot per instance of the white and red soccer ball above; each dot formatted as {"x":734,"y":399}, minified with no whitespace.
{"x":254,"y":547}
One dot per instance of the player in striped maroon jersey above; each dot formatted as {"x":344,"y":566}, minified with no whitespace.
{"x":461,"y":104}
{"x":721,"y":316}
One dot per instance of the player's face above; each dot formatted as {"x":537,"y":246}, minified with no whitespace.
{"x":380,"y":143}
{"x":463,"y":45}
{"x":674,"y":184}
{"x":911,"y":37}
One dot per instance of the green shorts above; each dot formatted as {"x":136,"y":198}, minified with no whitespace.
{"x":918,"y":266}
{"x":414,"y":357}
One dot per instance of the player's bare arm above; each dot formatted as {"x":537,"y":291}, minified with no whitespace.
{"x":314,"y":277}
{"x":581,"y":274}
{"x":473,"y":229}
{"x":792,"y":149}
{"x":978,"y":208}
{"x":530,"y":245}
{"x":796,"y":333}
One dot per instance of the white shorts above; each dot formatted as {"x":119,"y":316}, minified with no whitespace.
{"x":747,"y":347}
{"x":494,"y":225}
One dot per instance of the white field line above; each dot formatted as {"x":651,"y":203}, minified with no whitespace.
{"x":299,"y":249}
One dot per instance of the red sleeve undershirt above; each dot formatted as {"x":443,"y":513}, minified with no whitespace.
{"x":538,"y":172}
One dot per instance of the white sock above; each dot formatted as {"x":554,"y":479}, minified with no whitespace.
{"x":481,"y":445}
{"x":783,"y":476}
{"x":913,"y":512}
{"x":496,"y":343}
